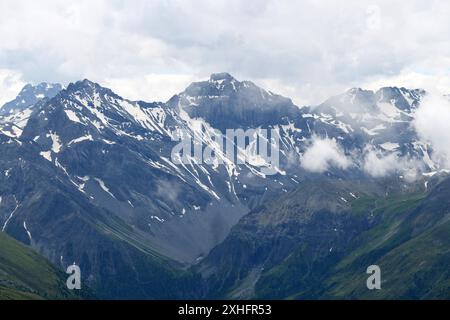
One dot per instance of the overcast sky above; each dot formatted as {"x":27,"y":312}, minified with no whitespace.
{"x":153,"y":49}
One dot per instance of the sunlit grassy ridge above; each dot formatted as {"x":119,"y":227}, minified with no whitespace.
{"x":24,"y":274}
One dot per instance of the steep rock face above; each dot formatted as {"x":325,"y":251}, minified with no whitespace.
{"x":315,"y":219}
{"x":50,"y":215}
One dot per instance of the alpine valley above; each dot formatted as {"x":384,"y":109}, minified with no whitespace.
{"x":87,"y":177}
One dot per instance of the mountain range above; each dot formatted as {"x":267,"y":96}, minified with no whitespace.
{"x":87,"y":177}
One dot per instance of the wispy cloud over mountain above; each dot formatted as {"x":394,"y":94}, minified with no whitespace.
{"x":432,"y":124}
{"x":324,"y":154}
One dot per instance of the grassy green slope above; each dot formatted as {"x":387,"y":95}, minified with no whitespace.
{"x":411,"y":246}
{"x":312,"y":244}
{"x":26,"y":275}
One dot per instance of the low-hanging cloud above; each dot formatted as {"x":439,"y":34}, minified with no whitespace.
{"x":10,"y":84}
{"x":379,"y":164}
{"x":168,"y":190}
{"x":432,"y":125}
{"x":324,"y":154}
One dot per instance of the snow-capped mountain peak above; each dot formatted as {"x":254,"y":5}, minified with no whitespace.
{"x":30,"y":95}
{"x":14,"y":115}
{"x":226,"y":102}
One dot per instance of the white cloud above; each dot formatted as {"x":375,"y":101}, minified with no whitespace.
{"x":379,"y":164}
{"x":432,"y":124}
{"x":438,"y":83}
{"x":324,"y":154}
{"x":309,"y":49}
{"x":10,"y":84}
{"x":152,"y":87}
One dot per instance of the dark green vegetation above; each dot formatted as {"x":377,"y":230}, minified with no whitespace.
{"x":26,"y":275}
{"x":317,"y":242}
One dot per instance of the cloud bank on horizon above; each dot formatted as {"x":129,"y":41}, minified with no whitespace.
{"x":153,"y":49}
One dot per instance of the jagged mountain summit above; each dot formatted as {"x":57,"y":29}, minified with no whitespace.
{"x":225,"y":102}
{"x":30,"y":95}
{"x":88,"y":175}
{"x":15,"y":114}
